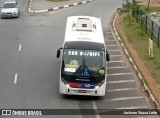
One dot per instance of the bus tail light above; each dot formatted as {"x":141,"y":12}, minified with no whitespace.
{"x":73,"y":85}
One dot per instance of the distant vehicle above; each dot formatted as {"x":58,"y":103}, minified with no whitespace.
{"x":10,"y":9}
{"x":84,"y":56}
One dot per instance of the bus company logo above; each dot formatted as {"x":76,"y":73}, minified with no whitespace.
{"x":6,"y":112}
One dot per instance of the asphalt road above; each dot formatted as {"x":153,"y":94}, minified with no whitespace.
{"x":29,"y":69}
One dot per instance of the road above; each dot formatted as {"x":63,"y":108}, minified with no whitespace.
{"x":29,"y":69}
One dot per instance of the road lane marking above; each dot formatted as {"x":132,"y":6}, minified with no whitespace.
{"x":15,"y":78}
{"x":119,"y":74}
{"x":115,"y":55}
{"x":95,"y":107}
{"x":109,"y":36}
{"x":114,"y":61}
{"x":120,"y":67}
{"x":122,"y":89}
{"x":20,"y":46}
{"x":124,"y":98}
{"x":110,"y":40}
{"x":133,"y":107}
{"x":109,"y":32}
{"x":111,"y":45}
{"x":113,"y":50}
{"x":121,"y":81}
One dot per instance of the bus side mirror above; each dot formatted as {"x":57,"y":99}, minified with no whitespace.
{"x":107,"y":56}
{"x":58,"y":52}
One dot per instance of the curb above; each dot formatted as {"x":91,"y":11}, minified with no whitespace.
{"x":56,"y":8}
{"x":135,"y":67}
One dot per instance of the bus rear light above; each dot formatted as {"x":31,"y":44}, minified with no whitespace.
{"x":73,"y":85}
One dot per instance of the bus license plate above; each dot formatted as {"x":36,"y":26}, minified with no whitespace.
{"x":82,"y":91}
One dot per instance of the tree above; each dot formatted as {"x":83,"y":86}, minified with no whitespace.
{"x":127,"y":7}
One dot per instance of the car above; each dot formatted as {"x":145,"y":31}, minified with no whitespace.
{"x":10,"y":9}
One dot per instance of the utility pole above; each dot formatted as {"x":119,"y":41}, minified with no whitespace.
{"x":148,"y":3}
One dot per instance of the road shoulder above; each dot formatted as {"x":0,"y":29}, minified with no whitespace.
{"x":139,"y":62}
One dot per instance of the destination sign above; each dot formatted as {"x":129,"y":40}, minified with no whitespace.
{"x":84,"y":53}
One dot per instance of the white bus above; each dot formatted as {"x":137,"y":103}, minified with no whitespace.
{"x":84,"y":56}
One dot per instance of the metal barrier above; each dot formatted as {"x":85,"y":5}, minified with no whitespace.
{"x":150,"y":23}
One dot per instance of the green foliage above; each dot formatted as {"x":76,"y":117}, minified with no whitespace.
{"x":158,"y":66}
{"x":134,"y":36}
{"x":150,"y":9}
{"x":126,"y":7}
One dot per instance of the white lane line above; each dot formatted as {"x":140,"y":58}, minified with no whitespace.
{"x":120,"y":67}
{"x":133,"y":107}
{"x":20,"y":46}
{"x":109,"y":36}
{"x":111,"y":45}
{"x":111,"y":40}
{"x":113,"y":50}
{"x":121,"y":81}
{"x":124,"y":98}
{"x":122,"y":89}
{"x":115,"y":55}
{"x":15,"y":78}
{"x":117,"y":74}
{"x":95,"y":108}
{"x":114,"y":61}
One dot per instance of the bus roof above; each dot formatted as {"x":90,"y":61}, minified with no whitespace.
{"x":84,"y":28}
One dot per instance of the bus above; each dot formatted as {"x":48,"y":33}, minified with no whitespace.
{"x":83,"y":59}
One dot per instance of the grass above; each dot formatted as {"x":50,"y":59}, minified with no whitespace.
{"x":150,"y":9}
{"x":57,"y":0}
{"x":134,"y":36}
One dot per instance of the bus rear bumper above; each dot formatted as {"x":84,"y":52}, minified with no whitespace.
{"x":64,"y":89}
